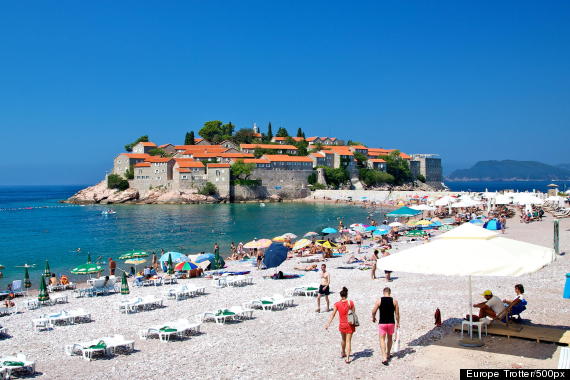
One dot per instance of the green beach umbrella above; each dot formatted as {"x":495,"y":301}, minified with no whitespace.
{"x":87,"y":269}
{"x":27,"y":282}
{"x":47,"y":270}
{"x":43,"y":295}
{"x":170,"y":265}
{"x":217,"y":262}
{"x":133,"y":255}
{"x":124,"y":284}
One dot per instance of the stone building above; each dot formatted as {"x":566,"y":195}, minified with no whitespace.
{"x":428,"y":165}
{"x":125,"y":161}
{"x":278,"y":149}
{"x":144,"y":147}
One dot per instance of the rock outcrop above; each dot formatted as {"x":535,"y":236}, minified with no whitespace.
{"x":99,"y":193}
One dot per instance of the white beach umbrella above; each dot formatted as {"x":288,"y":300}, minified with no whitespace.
{"x":528,"y":199}
{"x":503,"y":199}
{"x":470,"y":250}
{"x":395,"y":224}
{"x":445,"y":200}
{"x":422,"y":208}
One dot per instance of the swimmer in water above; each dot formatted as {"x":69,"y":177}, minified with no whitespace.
{"x":78,"y":250}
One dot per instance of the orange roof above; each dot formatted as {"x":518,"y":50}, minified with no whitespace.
{"x":286,"y":138}
{"x":311,"y":138}
{"x":359,"y":147}
{"x":164,"y":145}
{"x":135,"y":155}
{"x":142,"y":165}
{"x":184,"y":170}
{"x":286,"y":158}
{"x":376,"y":160}
{"x":190,"y":164}
{"x":342,"y":150}
{"x":267,"y":146}
{"x":158,"y":159}
{"x":318,"y":155}
{"x":219,"y":165}
{"x":255,"y":161}
{"x":143,"y":143}
{"x":200,"y":147}
{"x":257,"y":135}
{"x":236,"y":155}
{"x":205,"y":155}
{"x":385,"y":152}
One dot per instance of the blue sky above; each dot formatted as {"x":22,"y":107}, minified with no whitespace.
{"x":469,"y":80}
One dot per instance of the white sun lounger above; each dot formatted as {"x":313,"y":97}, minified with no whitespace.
{"x":263,"y":303}
{"x":216,"y":316}
{"x":87,"y":349}
{"x":129,"y":305}
{"x":8,"y":310}
{"x":28,"y":366}
{"x":242,"y":312}
{"x":196,"y":290}
{"x":280,"y":300}
{"x":119,"y":343}
{"x":178,"y":293}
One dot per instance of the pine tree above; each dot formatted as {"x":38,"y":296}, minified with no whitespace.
{"x":282,"y":132}
{"x":299,"y":133}
{"x":189,"y":140}
{"x":269,"y":132}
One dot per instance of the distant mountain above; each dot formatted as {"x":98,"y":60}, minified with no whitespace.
{"x":563,"y":166}
{"x":511,"y":170}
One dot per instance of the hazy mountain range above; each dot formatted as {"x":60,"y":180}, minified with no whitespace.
{"x":511,"y":170}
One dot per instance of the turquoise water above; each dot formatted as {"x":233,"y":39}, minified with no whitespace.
{"x":35,"y":227}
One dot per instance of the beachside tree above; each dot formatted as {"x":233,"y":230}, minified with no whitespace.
{"x":227,"y":131}
{"x":129,"y":147}
{"x":115,"y":181}
{"x":361,"y":159}
{"x":158,"y":152}
{"x":371,"y":177}
{"x":212,"y":131}
{"x":130,"y":172}
{"x":189,"y":139}
{"x":398,"y":167}
{"x":243,"y":136}
{"x":421,"y":178}
{"x":208,"y":189}
{"x":336,"y":177}
{"x":241,"y":170}
{"x":282,"y":132}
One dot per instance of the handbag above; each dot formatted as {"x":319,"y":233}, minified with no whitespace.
{"x":396,"y":340}
{"x":352,"y":317}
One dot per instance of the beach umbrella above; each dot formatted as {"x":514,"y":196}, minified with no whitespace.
{"x":259,"y":244}
{"x":380,"y":232}
{"x":493,"y":225}
{"x":43,"y":295}
{"x":289,"y":235}
{"x":124,"y":284}
{"x":477,"y":221}
{"x":301,"y":244}
{"x":404,"y":212}
{"x":205,"y":257}
{"x":370,"y":228}
{"x":87,"y":268}
{"x":133,"y":255}
{"x":185,"y":266}
{"x":360,"y":229}
{"x":27,"y":282}
{"x":327,"y":244}
{"x":311,"y":233}
{"x":329,"y":230}
{"x":217,"y":264}
{"x":487,"y":253}
{"x":395,"y":224}
{"x":135,"y":261}
{"x":170,"y":265}
{"x":423,"y":208}
{"x":279,"y":239}
{"x":47,"y":270}
{"x":275,"y":254}
{"x":422,"y":222}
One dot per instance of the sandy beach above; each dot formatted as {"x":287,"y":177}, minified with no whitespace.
{"x":293,"y":343}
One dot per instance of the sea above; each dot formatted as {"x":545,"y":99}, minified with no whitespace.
{"x":35,"y":226}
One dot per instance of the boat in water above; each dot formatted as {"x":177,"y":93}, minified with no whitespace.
{"x":108,"y":212}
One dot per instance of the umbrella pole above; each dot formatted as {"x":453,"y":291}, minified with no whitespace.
{"x":470,"y":309}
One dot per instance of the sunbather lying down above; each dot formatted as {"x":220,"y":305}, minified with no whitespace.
{"x":352,"y":259}
{"x":306,"y":268}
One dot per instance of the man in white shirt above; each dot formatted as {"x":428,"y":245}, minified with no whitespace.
{"x":490,"y":308}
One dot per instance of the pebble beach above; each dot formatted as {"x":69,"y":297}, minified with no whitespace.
{"x":292,"y":343}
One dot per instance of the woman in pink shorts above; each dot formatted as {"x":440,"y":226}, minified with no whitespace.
{"x":346,"y":329}
{"x":388,"y":319}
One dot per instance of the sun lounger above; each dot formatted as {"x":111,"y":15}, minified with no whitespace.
{"x":264,"y":304}
{"x":118,"y":343}
{"x":79,"y":315}
{"x":220,"y":316}
{"x":8,"y":310}
{"x":196,"y":290}
{"x":178,"y":293}
{"x":129,"y":305}
{"x":17,"y":363}
{"x":17,"y":288}
{"x":242,"y":312}
{"x":284,"y":301}
{"x":87,"y":349}
{"x":3,"y":331}
{"x":179,"y":328}
{"x":151,"y":302}
{"x":306,"y":290}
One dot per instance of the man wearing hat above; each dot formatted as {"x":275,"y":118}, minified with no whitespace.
{"x":490,"y":308}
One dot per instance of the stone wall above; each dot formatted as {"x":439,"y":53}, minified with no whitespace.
{"x":286,"y":184}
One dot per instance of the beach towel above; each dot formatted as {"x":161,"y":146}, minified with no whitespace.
{"x":287,"y":276}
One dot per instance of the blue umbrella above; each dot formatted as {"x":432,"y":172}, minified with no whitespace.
{"x":370,"y":228}
{"x":177,"y":257}
{"x":380,"y":232}
{"x":493,"y":225}
{"x":383,"y":227}
{"x":275,"y":255}
{"x":329,"y":230}
{"x":404,"y":211}
{"x":477,"y":221}
{"x":209,"y":257}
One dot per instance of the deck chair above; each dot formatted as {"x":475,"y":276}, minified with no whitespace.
{"x":505,"y":316}
{"x":17,"y":288}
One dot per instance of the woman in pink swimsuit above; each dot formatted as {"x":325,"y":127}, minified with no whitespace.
{"x":345,"y":328}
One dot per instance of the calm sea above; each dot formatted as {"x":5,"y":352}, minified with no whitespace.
{"x":35,"y":227}
{"x":506,"y":185}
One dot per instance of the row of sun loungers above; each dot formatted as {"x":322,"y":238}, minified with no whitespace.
{"x":16,"y":363}
{"x":98,"y":287}
{"x":180,"y":329}
{"x":140,"y":303}
{"x":60,"y":287}
{"x":306,"y":290}
{"x":239,"y":280}
{"x":106,"y":346}
{"x":8,"y":310}
{"x":184,"y":291}
{"x":221,"y":316}
{"x":275,"y":302}
{"x":48,"y":321}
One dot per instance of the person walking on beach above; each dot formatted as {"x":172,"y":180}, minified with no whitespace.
{"x":388,"y":320}
{"x":346,"y":329}
{"x":112,"y":266}
{"x":154,"y":261}
{"x":374,"y":259}
{"x":358,"y":239}
{"x":324,"y":288}
{"x":503,"y":221}
{"x":387,"y":273}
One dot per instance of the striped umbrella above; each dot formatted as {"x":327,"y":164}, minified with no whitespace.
{"x":170,"y":265}
{"x":47,"y":270}
{"x":87,"y":269}
{"x":185,"y":266}
{"x":301,"y":244}
{"x":43,"y":296}
{"x":279,"y":239}
{"x":27,"y":282}
{"x":124,"y":284}
{"x":133,"y":255}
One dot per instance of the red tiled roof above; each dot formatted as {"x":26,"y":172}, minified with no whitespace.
{"x":143,"y":143}
{"x":236,"y":155}
{"x":311,"y":138}
{"x":267,"y":146}
{"x":257,"y":135}
{"x":219,"y":165}
{"x":164,"y":146}
{"x":205,"y":155}
{"x":385,"y":152}
{"x":158,"y":159}
{"x":376,"y":160}
{"x":190,"y":164}
{"x":255,"y":161}
{"x":184,"y":170}
{"x":318,"y":154}
{"x":286,"y":158}
{"x":358,"y":147}
{"x":135,"y":155}
{"x":142,"y":165}
{"x":286,"y":138}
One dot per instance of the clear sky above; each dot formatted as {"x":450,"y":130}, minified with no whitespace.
{"x":470,"y":80}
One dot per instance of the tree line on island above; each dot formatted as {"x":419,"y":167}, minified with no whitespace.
{"x":215,"y":131}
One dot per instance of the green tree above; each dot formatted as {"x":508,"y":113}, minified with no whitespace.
{"x":352,"y":143}
{"x":241,"y":170}
{"x":299,"y":132}
{"x":158,"y":152}
{"x":189,"y":139}
{"x":421,"y":178}
{"x":130,"y":173}
{"x":212,"y":131}
{"x":398,"y":168}
{"x":243,"y":136}
{"x":258,"y":152}
{"x":115,"y":181}
{"x":371,"y":177}
{"x":282,"y":132}
{"x":336,"y":177}
{"x":208,"y":189}
{"x":312,"y":179}
{"x":227,"y":131}
{"x":269,"y":132}
{"x":129,"y":147}
{"x":361,"y":159}
{"x":302,"y":147}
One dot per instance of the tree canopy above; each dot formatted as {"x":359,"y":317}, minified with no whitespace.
{"x":398,"y":168}
{"x":371,"y":177}
{"x":129,"y":147}
{"x":189,"y":138}
{"x":282,"y":132}
{"x":243,"y":136}
{"x":241,"y":170}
